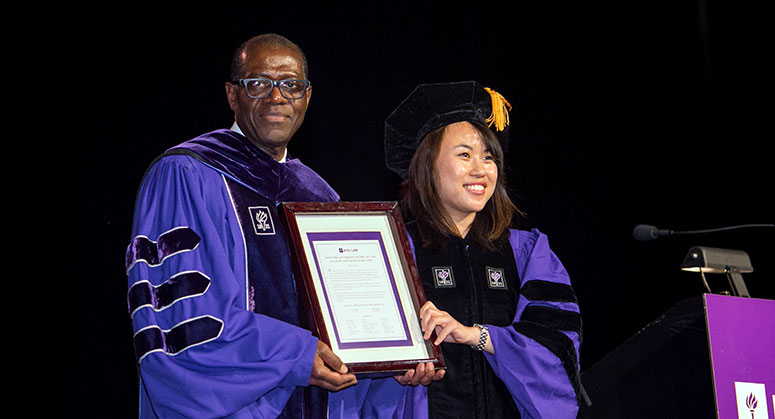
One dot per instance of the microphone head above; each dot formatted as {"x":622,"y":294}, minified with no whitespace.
{"x":644,"y":232}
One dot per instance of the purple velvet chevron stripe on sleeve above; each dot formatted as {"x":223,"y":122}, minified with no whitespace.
{"x":180,"y":239}
{"x":180,"y":286}
{"x":182,"y":336}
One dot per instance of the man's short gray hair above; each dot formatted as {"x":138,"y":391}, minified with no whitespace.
{"x":264,"y":40}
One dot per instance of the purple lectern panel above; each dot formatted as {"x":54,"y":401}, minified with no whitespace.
{"x":741,"y":334}
{"x":354,"y":238}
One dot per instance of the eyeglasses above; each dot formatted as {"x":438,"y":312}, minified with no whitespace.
{"x":259,"y":88}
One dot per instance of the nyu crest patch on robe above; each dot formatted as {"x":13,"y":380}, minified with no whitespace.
{"x":496,"y":279}
{"x":443,"y":277}
{"x":262,"y":220}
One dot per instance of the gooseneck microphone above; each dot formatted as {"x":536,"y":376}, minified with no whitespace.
{"x":645,"y":232}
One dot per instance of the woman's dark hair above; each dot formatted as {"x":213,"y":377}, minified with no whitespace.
{"x":419,"y":196}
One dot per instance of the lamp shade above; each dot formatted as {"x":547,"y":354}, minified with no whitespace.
{"x":714,"y":260}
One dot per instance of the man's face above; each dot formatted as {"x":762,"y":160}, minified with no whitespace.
{"x":269,"y":123}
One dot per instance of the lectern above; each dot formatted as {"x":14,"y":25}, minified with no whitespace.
{"x":711,"y":356}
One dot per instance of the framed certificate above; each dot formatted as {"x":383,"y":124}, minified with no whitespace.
{"x":359,"y":284}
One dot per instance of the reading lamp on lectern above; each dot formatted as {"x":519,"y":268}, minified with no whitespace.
{"x":732,"y":263}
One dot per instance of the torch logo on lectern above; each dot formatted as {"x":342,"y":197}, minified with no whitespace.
{"x":751,"y":402}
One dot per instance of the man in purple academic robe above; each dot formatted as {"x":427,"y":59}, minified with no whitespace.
{"x":212,"y":299}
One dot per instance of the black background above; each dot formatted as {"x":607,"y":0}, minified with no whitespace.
{"x":623,"y":113}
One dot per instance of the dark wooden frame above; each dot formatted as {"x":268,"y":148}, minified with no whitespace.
{"x":306,"y":287}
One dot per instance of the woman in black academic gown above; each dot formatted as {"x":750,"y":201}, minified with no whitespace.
{"x":499,"y":299}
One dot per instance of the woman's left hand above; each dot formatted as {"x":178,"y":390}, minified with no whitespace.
{"x":447,"y":328}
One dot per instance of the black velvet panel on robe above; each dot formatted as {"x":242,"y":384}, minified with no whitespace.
{"x":474,"y":286}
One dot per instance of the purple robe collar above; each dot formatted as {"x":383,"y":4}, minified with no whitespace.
{"x":235,"y":156}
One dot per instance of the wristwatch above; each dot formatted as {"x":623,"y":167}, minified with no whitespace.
{"x":482,"y":337}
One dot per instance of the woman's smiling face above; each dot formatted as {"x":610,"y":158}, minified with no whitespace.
{"x":466,"y":173}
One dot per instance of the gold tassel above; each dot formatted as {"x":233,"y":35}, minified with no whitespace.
{"x":499,"y":116}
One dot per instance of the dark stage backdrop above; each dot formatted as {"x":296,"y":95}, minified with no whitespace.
{"x":656,"y":113}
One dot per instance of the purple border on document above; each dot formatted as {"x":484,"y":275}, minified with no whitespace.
{"x":361,"y":235}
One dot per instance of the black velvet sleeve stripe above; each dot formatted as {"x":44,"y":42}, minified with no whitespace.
{"x":177,"y":240}
{"x":561,"y":346}
{"x":537,"y":290}
{"x":553,"y":318}
{"x":183,"y":285}
{"x":181,"y":337}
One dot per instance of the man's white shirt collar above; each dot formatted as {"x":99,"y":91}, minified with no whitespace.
{"x":236,"y":128}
